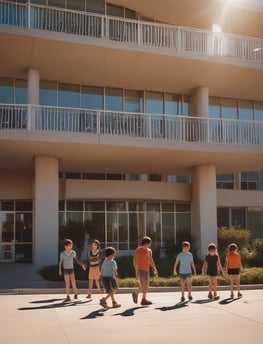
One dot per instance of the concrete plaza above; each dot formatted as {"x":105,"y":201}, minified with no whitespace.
{"x":45,"y":318}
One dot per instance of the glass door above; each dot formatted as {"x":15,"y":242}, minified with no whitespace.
{"x":7,"y":236}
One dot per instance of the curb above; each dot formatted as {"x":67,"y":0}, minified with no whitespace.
{"x":33,"y":291}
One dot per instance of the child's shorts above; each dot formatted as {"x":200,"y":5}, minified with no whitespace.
{"x":94,"y":272}
{"x":109,"y":284}
{"x":233,"y":271}
{"x":185,"y":276}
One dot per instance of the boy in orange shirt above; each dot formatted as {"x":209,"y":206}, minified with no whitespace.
{"x":142,"y":260}
{"x":233,"y":268}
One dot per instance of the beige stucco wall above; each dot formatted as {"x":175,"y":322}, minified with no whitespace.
{"x":15,"y":185}
{"x":99,"y":189}
{"x":239,"y":198}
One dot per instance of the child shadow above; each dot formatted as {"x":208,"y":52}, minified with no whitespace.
{"x":202,"y":301}
{"x":227,"y":301}
{"x":129,"y":312}
{"x":47,"y":301}
{"x":176,"y":306}
{"x":95,"y":314}
{"x":56,"y":305}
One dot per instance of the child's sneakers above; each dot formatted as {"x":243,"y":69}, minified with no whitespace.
{"x":239,"y":294}
{"x":210,"y":296}
{"x":146,"y":302}
{"x":115,"y":304}
{"x":103,"y":303}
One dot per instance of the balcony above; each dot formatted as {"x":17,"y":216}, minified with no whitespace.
{"x":177,"y":129}
{"x":133,"y":34}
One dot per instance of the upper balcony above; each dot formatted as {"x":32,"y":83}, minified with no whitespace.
{"x":122,"y":141}
{"x":133,"y":34}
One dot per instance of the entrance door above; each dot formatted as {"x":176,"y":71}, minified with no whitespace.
{"x":7,"y":236}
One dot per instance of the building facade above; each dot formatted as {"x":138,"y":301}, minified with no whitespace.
{"x":130,"y":118}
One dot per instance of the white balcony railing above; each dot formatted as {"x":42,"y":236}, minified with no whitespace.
{"x":136,"y":125}
{"x":180,"y":40}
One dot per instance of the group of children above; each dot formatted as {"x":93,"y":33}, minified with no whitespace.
{"x":143,"y":261}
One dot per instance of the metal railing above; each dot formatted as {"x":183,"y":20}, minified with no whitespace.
{"x":137,"y":125}
{"x":178,"y":39}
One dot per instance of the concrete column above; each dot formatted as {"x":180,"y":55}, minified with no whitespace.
{"x":200,"y":102}
{"x":46,"y":210}
{"x":33,"y":86}
{"x":204,"y":207}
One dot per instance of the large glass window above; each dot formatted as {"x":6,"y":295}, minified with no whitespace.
{"x":77,"y":5}
{"x":229,"y":108}
{"x":122,"y":224}
{"x":259,"y":111}
{"x":69,"y":95}
{"x":116,"y":11}
{"x":246,"y":111}
{"x":252,"y":180}
{"x":92,"y":97}
{"x":20,"y":92}
{"x":95,"y":6}
{"x":16,"y":231}
{"x":6,"y":91}
{"x":57,"y":3}
{"x":113,"y":99}
{"x":48,"y":93}
{"x":172,"y":102}
{"x":255,"y":221}
{"x":214,"y":107}
{"x":225,"y":181}
{"x":154,"y":103}
{"x":133,"y":101}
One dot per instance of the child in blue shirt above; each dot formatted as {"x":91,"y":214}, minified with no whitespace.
{"x":186,"y":263}
{"x":109,"y":275}
{"x":66,"y":260}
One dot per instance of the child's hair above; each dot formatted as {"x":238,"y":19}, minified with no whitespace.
{"x":67,"y":242}
{"x":211,"y":247}
{"x":185,"y":244}
{"x":96,"y":242}
{"x":146,"y":240}
{"x":232,"y":247}
{"x":109,"y":251}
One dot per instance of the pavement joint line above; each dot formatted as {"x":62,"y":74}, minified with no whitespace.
{"x":61,"y":290}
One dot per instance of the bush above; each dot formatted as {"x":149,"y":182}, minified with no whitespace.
{"x":257,"y":253}
{"x":228,"y":235}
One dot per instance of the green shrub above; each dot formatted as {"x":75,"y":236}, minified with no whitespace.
{"x":228,"y":235}
{"x":249,"y":276}
{"x":257,"y":252}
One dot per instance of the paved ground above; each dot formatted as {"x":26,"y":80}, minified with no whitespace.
{"x":36,"y":313}
{"x":46,"y":318}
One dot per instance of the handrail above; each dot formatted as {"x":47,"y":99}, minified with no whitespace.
{"x":129,"y":124}
{"x":179,"y":40}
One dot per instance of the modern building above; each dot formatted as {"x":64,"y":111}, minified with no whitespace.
{"x":130,"y":117}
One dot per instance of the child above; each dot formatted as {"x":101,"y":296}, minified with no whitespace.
{"x":210,"y":267}
{"x":66,"y":259}
{"x":142,"y":260}
{"x":233,"y":268}
{"x":94,"y":267}
{"x":109,"y":275}
{"x":186,"y":264}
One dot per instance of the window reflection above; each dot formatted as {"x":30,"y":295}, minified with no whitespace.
{"x":229,"y":108}
{"x":6,"y":91}
{"x":69,"y":95}
{"x":48,"y":93}
{"x":113,"y":99}
{"x":92,"y":97}
{"x":20,"y":92}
